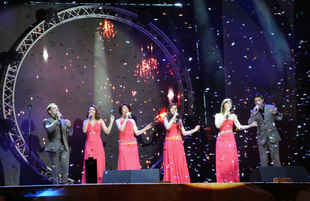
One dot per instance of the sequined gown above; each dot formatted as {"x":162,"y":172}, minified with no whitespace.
{"x":94,"y":148}
{"x":175,"y":164}
{"x":128,"y":156}
{"x":226,"y":155}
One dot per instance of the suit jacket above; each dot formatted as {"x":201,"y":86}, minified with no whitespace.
{"x":266,"y":129}
{"x":54,"y":129}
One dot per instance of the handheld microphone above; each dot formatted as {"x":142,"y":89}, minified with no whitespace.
{"x":90,"y":116}
{"x":59,"y":114}
{"x":228,"y":109}
{"x":177,"y":117}
{"x":258,"y":106}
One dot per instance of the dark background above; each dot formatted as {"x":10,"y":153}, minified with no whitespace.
{"x":238,"y":48}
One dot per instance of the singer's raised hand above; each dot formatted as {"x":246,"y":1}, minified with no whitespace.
{"x":148,"y":126}
{"x":274,"y":111}
{"x":256,"y":108}
{"x":68,"y":123}
{"x":253,"y":124}
{"x":112,"y":118}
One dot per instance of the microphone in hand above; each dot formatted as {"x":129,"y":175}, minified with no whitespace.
{"x":90,"y":116}
{"x":256,"y":108}
{"x":176,"y":115}
{"x":228,"y":111}
{"x":59,"y":115}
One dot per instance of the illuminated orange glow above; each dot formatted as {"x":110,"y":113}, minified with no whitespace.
{"x":106,"y":30}
{"x":145,"y":69}
{"x":161,"y":115}
{"x":216,"y":185}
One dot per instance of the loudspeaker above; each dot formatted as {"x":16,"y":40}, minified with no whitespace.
{"x":267,"y":173}
{"x":91,"y":170}
{"x":144,"y":176}
{"x":131,"y":176}
{"x":116,"y":176}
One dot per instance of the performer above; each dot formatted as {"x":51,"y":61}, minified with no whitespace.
{"x":226,"y":154}
{"x":175,"y":164}
{"x":93,"y":145}
{"x":128,"y":157}
{"x":268,"y":136}
{"x":56,"y":146}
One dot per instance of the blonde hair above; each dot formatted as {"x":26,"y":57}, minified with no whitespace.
{"x":223,"y":103}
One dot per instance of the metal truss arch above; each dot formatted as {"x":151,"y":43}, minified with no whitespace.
{"x":65,"y":16}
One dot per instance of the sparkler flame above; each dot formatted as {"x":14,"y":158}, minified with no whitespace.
{"x":106,"y":30}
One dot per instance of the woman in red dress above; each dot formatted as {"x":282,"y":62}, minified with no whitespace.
{"x":226,"y":154}
{"x":93,"y":145}
{"x":175,"y":164}
{"x":128,"y":156}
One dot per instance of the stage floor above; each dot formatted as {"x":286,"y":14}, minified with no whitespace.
{"x":159,"y":191}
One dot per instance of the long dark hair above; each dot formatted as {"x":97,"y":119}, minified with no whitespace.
{"x":169,"y":116}
{"x":97,"y":114}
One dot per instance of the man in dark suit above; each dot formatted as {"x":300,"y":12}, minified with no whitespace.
{"x":268,"y":136}
{"x":56,"y":144}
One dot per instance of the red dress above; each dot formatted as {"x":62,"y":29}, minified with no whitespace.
{"x":94,"y":148}
{"x":128,"y":155}
{"x":175,"y":164}
{"x":226,"y":155}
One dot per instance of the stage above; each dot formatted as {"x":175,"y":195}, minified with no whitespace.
{"x":160,"y":191}
{"x":148,"y":55}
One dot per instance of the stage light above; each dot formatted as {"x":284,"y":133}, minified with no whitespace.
{"x":178,"y":5}
{"x":170,"y":94}
{"x":45,"y":54}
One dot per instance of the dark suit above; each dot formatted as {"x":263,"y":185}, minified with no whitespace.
{"x":268,"y":136}
{"x":56,"y":144}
